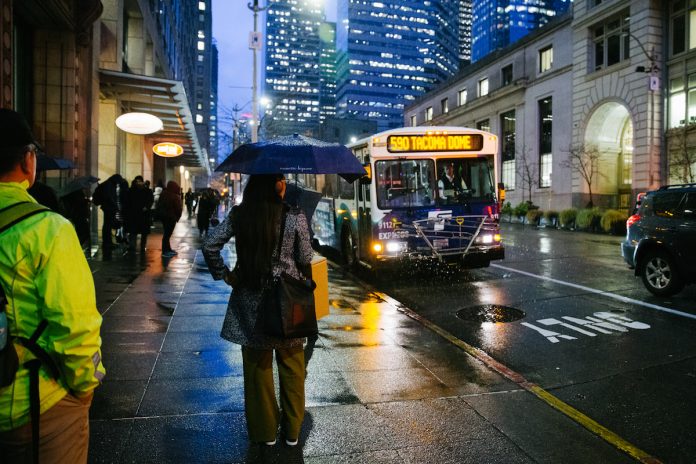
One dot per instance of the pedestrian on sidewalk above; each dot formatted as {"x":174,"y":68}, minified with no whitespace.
{"x":137,"y":217}
{"x":188,"y":200}
{"x":170,"y":208}
{"x":205,"y":211}
{"x":256,"y":226}
{"x":50,"y":299}
{"x":110,"y":196}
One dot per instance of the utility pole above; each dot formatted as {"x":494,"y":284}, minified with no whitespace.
{"x":255,"y":42}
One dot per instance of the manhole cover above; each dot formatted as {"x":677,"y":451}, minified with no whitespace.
{"x":490,"y":313}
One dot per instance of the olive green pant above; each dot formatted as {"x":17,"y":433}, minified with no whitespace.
{"x":262,"y":413}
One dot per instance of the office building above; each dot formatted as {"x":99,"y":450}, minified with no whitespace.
{"x":327,"y":68}
{"x":291,"y":76}
{"x":389,"y":54}
{"x":465,"y":18}
{"x":499,"y":23}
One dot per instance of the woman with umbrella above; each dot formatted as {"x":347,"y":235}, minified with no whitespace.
{"x":261,"y":252}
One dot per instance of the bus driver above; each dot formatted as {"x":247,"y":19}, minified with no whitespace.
{"x":450,"y":184}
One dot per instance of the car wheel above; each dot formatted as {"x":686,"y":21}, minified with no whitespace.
{"x":659,"y":273}
{"x":348,"y":248}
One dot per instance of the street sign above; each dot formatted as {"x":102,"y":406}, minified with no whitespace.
{"x":168,"y":150}
{"x":255,"y":40}
{"x":654,"y":83}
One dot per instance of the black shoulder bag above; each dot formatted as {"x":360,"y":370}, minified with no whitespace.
{"x":286,"y":308}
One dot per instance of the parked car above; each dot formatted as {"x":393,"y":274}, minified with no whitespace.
{"x":661,"y":239}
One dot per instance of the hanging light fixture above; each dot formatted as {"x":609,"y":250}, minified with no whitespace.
{"x":139,"y":123}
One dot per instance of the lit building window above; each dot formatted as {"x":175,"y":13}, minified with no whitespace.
{"x":200,"y":57}
{"x":461,"y":97}
{"x":611,"y":41}
{"x":413,"y":120}
{"x":201,"y":6}
{"x":507,"y":152}
{"x":483,"y":87}
{"x":201,"y":45}
{"x":444,"y":106}
{"x":545,"y":59}
{"x":429,"y":113}
{"x":484,"y":125}
{"x":545,"y":141}
{"x":683,"y":26}
{"x":506,"y":75}
{"x":199,"y":118}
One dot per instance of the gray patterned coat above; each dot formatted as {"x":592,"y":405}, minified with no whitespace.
{"x":238,"y":326}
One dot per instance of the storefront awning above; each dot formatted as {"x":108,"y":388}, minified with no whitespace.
{"x":165,"y":99}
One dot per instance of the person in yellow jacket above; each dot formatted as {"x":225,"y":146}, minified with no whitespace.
{"x":45,"y":276}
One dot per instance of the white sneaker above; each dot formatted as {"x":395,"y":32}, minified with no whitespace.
{"x":291,"y":442}
{"x":269,"y":443}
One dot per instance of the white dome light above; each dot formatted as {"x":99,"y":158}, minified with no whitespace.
{"x":139,"y":123}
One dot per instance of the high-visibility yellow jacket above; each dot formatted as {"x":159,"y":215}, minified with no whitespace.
{"x":45,"y":275}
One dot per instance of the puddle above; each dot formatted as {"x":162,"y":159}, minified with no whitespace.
{"x":490,"y":313}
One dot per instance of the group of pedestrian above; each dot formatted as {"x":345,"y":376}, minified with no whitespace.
{"x":130,"y":211}
{"x":48,"y":299}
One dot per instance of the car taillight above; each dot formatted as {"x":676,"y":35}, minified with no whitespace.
{"x":632,"y":220}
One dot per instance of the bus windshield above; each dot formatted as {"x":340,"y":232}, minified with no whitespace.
{"x":405,"y":183}
{"x":461,"y":180}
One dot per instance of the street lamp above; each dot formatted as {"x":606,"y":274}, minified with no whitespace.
{"x":654,"y":87}
{"x":255,"y":45}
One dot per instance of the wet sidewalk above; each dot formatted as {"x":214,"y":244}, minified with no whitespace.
{"x":381,"y":388}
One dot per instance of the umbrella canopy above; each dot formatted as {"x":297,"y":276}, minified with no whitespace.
{"x":304,"y":198}
{"x":294,"y":154}
{"x":78,"y":183}
{"x":47,"y":163}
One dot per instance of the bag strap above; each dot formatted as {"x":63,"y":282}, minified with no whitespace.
{"x":17,"y":212}
{"x":34,"y":365}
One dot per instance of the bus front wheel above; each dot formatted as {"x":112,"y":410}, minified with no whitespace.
{"x":348,"y":248}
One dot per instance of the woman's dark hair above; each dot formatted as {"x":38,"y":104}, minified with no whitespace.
{"x":256,"y":222}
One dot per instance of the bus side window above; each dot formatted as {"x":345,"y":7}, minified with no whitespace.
{"x":347,"y":191}
{"x":330,"y":189}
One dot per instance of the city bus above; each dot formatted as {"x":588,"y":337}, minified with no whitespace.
{"x":431,"y":193}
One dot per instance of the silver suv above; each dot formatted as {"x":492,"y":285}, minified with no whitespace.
{"x":661,"y":239}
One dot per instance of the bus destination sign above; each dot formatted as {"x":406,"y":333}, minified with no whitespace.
{"x":434,"y":142}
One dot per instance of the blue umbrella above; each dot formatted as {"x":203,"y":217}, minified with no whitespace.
{"x":293,"y":154}
{"x":47,"y":163}
{"x":302,"y":197}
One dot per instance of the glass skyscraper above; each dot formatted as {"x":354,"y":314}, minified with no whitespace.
{"x":498,"y":23}
{"x":291,"y":72}
{"x":390,"y":52}
{"x":327,"y":65}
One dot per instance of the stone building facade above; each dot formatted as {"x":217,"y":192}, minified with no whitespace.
{"x":606,"y":66}
{"x":522,"y":94}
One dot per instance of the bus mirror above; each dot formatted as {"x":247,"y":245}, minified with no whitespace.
{"x":501,"y":192}
{"x":367,"y":178}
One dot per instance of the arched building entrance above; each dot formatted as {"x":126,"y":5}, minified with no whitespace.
{"x":609,"y":140}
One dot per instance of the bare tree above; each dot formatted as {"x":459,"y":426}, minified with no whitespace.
{"x":527,"y":171}
{"x":681,"y":145}
{"x":584,"y":160}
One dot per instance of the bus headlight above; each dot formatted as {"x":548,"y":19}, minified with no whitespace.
{"x":488,"y":239}
{"x":376,"y":247}
{"x":395,"y":247}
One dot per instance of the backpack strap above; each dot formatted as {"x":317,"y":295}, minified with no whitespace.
{"x":34,"y":365}
{"x":17,"y":212}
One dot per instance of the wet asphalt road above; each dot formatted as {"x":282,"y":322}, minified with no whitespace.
{"x":590,"y":334}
